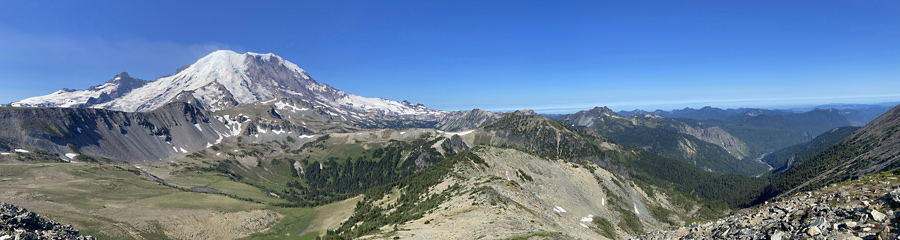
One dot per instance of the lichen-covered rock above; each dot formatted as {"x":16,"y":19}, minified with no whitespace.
{"x":861,"y":209}
{"x":19,"y":223}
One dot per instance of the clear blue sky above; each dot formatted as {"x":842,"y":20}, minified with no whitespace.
{"x":495,"y":55}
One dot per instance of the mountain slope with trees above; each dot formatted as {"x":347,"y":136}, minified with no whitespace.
{"x":871,"y":149}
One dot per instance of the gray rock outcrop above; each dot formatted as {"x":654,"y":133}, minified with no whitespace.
{"x":19,"y":223}
{"x":863,"y":209}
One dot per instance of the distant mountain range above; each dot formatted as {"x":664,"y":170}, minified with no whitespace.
{"x":733,"y":145}
{"x":858,"y":114}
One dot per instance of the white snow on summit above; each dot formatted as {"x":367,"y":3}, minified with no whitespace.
{"x":68,"y":97}
{"x":225,"y":78}
{"x":223,"y":66}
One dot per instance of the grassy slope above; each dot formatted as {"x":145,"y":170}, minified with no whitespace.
{"x":113,"y":202}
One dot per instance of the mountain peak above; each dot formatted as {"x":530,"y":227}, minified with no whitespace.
{"x":123,"y":75}
{"x":221,"y":53}
{"x":229,"y":54}
{"x":263,"y":56}
{"x":223,"y":79}
{"x":604,"y":111}
{"x":123,"y":80}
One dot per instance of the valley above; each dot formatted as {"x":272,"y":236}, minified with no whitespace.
{"x":263,"y":151}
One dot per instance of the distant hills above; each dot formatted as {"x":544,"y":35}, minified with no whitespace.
{"x":858,"y":114}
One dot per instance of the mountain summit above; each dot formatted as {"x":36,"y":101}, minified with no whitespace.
{"x":224,"y":79}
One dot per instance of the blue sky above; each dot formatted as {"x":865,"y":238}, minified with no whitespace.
{"x":550,"y":56}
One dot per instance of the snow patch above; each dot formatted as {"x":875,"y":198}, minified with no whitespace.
{"x":589,"y":218}
{"x":281,"y":106}
{"x":5,"y":153}
{"x":71,"y":155}
{"x":197,"y":125}
{"x":307,"y":136}
{"x":79,"y":130}
{"x":559,"y":209}
{"x":462,"y":133}
{"x":635,"y":209}
{"x":293,"y":92}
{"x":218,"y":140}
{"x":182,"y":150}
{"x":585,"y":226}
{"x":19,"y":150}
{"x":402,"y":133}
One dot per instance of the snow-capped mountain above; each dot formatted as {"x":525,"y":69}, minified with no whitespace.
{"x":119,"y":86}
{"x":224,"y":79}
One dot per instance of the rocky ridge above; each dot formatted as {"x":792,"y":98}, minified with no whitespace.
{"x":120,"y":85}
{"x":862,"y":209}
{"x":468,"y":119}
{"x":19,"y":223}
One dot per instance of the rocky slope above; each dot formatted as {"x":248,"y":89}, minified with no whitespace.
{"x":860,"y":209}
{"x":468,"y":119}
{"x":85,"y":134}
{"x":19,"y":223}
{"x":92,"y":134}
{"x":515,"y":194}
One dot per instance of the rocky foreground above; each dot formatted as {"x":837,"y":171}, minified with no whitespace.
{"x":861,"y":209}
{"x":18,"y":223}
